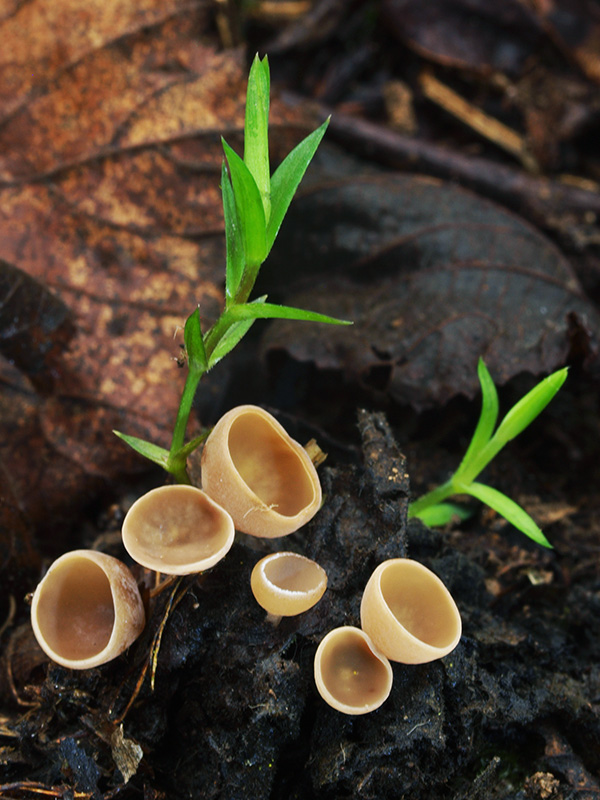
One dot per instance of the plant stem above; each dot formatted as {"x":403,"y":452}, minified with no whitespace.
{"x":176,"y":465}
{"x":247,"y":283}
{"x":437,"y":495}
{"x":216,"y":333}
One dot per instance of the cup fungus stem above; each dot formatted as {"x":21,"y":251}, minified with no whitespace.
{"x":161,"y":585}
{"x":316,"y":455}
{"x":274,"y":619}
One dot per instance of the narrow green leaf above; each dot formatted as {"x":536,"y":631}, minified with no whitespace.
{"x":250,"y":211}
{"x":256,"y":130}
{"x":232,"y":336}
{"x":518,"y":418}
{"x":507,"y":508}
{"x":272,"y":311}
{"x":192,"y":445}
{"x":487,"y":418}
{"x":442,"y":514}
{"x":192,"y":337}
{"x":287,"y":177}
{"x":151,"y":451}
{"x":527,"y":409}
{"x":233,"y":237}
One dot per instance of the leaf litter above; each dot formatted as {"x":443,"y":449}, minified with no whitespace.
{"x":434,"y":277}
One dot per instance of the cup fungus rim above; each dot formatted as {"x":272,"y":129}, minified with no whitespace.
{"x":275,"y":592}
{"x":162,"y":565}
{"x":433,"y":652}
{"x":102,"y":561}
{"x":327,"y":695}
{"x":265,"y":560}
{"x":280,"y":523}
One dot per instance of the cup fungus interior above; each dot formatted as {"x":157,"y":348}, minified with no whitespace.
{"x":294,"y":573}
{"x":419,"y":601}
{"x":75,"y":612}
{"x":269,"y":465}
{"x":286,"y":584}
{"x":182,"y":523}
{"x":351,"y":672}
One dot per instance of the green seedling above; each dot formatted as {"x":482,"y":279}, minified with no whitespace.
{"x":433,"y":507}
{"x":254,"y":206}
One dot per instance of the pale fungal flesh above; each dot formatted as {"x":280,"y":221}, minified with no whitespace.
{"x":87,"y":609}
{"x":350,"y":673}
{"x":177,"y":530}
{"x":285,"y":584}
{"x":263,"y":477}
{"x":408,"y":612}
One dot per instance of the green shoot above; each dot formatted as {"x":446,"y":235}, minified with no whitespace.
{"x":254,"y":206}
{"x":484,"y":446}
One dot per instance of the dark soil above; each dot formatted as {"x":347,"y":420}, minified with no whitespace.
{"x":511,"y":713}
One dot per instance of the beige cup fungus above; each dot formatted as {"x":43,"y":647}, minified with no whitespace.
{"x":286,"y":584}
{"x":352,"y":676}
{"x":408,"y":612}
{"x":177,"y":530}
{"x":264,"y":478}
{"x":87,"y":609}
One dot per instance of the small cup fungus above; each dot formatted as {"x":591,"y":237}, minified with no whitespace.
{"x":87,"y":609}
{"x":350,"y":673}
{"x":263,"y":477}
{"x":408,"y":612}
{"x":177,"y":530}
{"x":285,"y":584}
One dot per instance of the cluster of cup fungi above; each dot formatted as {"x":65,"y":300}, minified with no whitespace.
{"x":257,"y":479}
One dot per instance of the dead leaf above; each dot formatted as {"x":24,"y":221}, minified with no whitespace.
{"x":126,"y":753}
{"x":434,"y":277}
{"x":35,"y":326}
{"x":575,"y":27}
{"x":468,"y":34}
{"x":110,"y":166}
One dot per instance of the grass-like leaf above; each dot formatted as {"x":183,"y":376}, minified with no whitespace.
{"x":527,"y":409}
{"x":249,"y":208}
{"x":287,"y":177}
{"x":232,"y":336}
{"x":442,"y":514}
{"x":507,"y":508}
{"x":487,"y":418}
{"x":273,"y":311}
{"x":193,"y":444}
{"x":256,"y":131}
{"x":151,"y":451}
{"x":233,"y":238}
{"x":192,"y":338}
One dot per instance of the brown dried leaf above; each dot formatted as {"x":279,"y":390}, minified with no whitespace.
{"x":434,"y":277}
{"x":110,"y":160}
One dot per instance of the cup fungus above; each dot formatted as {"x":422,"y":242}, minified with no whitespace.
{"x":263,"y":477}
{"x":86,"y":610}
{"x":350,"y":673}
{"x":285,"y":584}
{"x":177,"y":530}
{"x":408,"y":612}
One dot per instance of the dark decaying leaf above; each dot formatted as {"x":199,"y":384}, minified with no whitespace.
{"x":433,"y":277}
{"x":574,"y":25}
{"x":475,"y":34}
{"x":34,"y":325}
{"x":483,"y":36}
